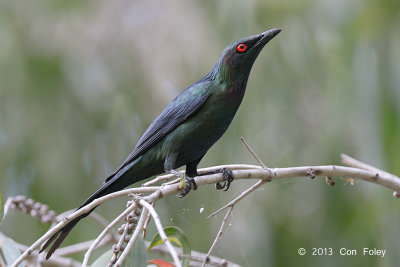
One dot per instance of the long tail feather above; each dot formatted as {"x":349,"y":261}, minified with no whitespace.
{"x":115,"y":182}
{"x":59,"y":236}
{"x":63,"y":232}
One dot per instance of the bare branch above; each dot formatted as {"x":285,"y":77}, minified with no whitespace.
{"x":167,"y":177}
{"x":146,"y":223}
{"x":207,"y":258}
{"x":125,"y":230}
{"x":240,"y":171}
{"x":352,"y":162}
{"x":83,"y":246}
{"x":160,"y":230}
{"x":257,"y":158}
{"x":105,"y":231}
{"x":135,"y":235}
{"x":240,"y":197}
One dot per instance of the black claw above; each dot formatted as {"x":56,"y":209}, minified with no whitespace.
{"x":190,"y":184}
{"x":220,"y":186}
{"x":228,"y":178}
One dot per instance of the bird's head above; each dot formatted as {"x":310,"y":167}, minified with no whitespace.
{"x":237,"y":58}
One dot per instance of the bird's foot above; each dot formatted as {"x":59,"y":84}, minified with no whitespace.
{"x":187,"y":183}
{"x":228,"y":178}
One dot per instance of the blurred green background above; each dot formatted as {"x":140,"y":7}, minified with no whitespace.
{"x":80,"y":81}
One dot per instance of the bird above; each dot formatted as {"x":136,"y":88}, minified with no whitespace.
{"x":186,"y":129}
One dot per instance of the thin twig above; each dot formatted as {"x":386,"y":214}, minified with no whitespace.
{"x":133,"y":238}
{"x":105,"y":231}
{"x":83,"y":246}
{"x":160,"y":230}
{"x":240,"y":197}
{"x":103,"y":222}
{"x":256,"y":157}
{"x":362,"y":165}
{"x":172,"y":182}
{"x":93,"y":215}
{"x":160,"y":178}
{"x":146,"y":223}
{"x":207,"y":258}
{"x":352,"y":162}
{"x":122,"y":238}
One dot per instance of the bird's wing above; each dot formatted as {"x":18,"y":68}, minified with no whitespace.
{"x":182,"y":107}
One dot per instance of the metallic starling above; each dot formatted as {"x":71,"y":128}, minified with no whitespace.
{"x":187,"y":128}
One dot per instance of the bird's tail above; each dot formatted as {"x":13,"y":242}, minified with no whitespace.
{"x":115,"y":182}
{"x":60,"y":235}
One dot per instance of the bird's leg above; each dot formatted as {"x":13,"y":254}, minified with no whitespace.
{"x":187,"y":183}
{"x":191,"y":171}
{"x":228,"y":178}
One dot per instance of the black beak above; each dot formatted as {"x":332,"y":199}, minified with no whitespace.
{"x":267,"y":36}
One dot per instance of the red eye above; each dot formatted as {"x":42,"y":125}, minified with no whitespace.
{"x":241,"y":48}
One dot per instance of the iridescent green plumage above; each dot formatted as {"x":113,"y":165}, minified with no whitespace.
{"x":187,"y":128}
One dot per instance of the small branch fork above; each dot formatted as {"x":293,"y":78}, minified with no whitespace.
{"x":153,"y":193}
{"x":221,"y":229}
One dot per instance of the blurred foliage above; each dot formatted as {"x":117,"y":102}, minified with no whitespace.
{"x":81,"y":80}
{"x":9,"y":251}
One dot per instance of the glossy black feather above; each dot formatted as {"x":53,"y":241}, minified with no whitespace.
{"x":181,"y":108}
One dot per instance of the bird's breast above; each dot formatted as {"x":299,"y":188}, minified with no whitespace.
{"x":195,"y":136}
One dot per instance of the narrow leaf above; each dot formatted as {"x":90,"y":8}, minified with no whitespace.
{"x":137,"y":257}
{"x":177,"y":236}
{"x":10,"y":251}
{"x":103,"y":260}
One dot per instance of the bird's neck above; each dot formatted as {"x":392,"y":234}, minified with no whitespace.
{"x":232,"y":81}
{"x":225,"y":85}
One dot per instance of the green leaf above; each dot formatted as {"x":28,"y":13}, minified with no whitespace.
{"x":137,"y":257}
{"x":10,"y":251}
{"x":177,"y":236}
{"x":103,"y":260}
